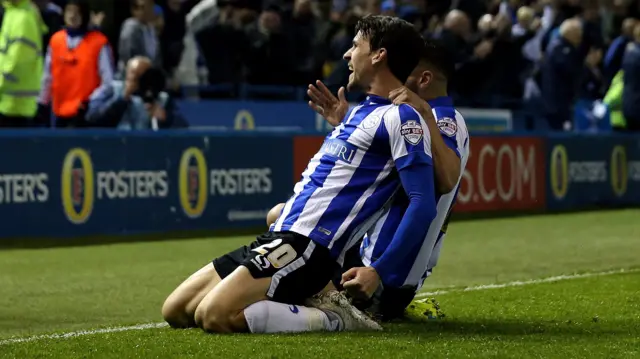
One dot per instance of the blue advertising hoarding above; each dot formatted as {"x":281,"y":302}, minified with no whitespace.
{"x":83,"y":183}
{"x":287,"y":116}
{"x":592,"y":171}
{"x":72,"y":185}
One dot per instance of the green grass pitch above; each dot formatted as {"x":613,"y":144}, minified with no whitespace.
{"x":490,"y":283}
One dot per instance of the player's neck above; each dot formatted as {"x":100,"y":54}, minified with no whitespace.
{"x":383,"y":83}
{"x":434,"y":91}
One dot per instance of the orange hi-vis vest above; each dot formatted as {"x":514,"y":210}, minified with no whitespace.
{"x":74,"y":72}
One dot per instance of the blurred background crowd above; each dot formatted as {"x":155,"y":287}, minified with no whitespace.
{"x":119,"y":63}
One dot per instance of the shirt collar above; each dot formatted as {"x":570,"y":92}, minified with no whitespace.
{"x":375,"y":100}
{"x":442,"y":101}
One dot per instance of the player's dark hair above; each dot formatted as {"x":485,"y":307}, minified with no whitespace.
{"x":399,"y":38}
{"x":436,"y":56}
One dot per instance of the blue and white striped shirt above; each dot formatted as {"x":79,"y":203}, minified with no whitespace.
{"x":355,"y":173}
{"x":454,"y":132}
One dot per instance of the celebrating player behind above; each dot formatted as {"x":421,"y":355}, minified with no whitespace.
{"x":450,"y":147}
{"x":345,"y":184}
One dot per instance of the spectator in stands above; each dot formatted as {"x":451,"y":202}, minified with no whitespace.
{"x":138,"y":102}
{"x":613,"y":59}
{"x":202,"y":16}
{"x":223,"y":42}
{"x":591,"y":28}
{"x":52,"y":15}
{"x":388,"y":8}
{"x":336,"y":41}
{"x":472,"y":9}
{"x":485,"y":25}
{"x":456,"y":34}
{"x":138,"y":35}
{"x":613,"y":100}
{"x":171,"y":39}
{"x":269,"y":59}
{"x":303,"y":26}
{"x":471,"y":56}
{"x":506,"y":64}
{"x":78,"y":68}
{"x":527,"y":24}
{"x":20,"y":63}
{"x":456,"y":37}
{"x":561,"y":72}
{"x":158,"y":19}
{"x":526,"y":33}
{"x":631,"y":91}
{"x":510,"y":9}
{"x":592,"y":85}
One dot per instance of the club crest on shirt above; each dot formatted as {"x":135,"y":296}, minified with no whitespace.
{"x":370,"y":122}
{"x":448,"y":126}
{"x":412,"y":132}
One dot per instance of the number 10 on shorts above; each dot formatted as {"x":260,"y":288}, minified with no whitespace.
{"x":274,"y":254}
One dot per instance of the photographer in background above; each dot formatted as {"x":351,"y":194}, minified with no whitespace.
{"x":139,"y":102}
{"x":631,"y":80}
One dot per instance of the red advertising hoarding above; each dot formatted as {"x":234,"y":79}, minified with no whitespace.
{"x":304,"y":147}
{"x":503,"y":173}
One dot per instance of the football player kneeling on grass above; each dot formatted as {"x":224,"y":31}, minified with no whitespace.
{"x":426,"y":91}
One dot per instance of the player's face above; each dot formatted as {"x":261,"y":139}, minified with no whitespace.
{"x":360,"y":61}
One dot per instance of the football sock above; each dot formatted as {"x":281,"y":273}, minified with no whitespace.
{"x":273,"y":317}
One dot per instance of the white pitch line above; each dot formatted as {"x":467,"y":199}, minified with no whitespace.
{"x":82,"y":333}
{"x":528,"y":282}
{"x":419,"y":295}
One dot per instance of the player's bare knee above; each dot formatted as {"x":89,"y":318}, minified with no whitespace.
{"x":274,"y":213}
{"x":174,"y":313}
{"x":213,"y":319}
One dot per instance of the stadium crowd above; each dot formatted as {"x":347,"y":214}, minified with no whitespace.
{"x":543,"y":55}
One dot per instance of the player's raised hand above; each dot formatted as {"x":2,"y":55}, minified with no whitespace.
{"x":403,"y":95}
{"x":361,"y":282}
{"x":332,"y":108}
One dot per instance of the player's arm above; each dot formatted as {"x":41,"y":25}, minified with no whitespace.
{"x":414,"y":163}
{"x":446,"y":158}
{"x":394,"y":265}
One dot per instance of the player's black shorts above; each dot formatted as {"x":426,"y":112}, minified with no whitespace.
{"x":299,"y":268}
{"x":386,"y":305}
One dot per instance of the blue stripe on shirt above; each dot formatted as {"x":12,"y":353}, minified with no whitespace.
{"x":316,"y":180}
{"x":396,"y":262}
{"x":390,"y":226}
{"x":383,"y":191}
{"x":340,"y":205}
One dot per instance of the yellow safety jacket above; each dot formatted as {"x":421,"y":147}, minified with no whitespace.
{"x":21,"y":59}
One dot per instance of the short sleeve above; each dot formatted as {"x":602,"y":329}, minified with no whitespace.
{"x":448,"y":126}
{"x":408,"y":137}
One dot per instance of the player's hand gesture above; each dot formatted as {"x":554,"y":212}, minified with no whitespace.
{"x":332,"y":108}
{"x":361,"y":282}
{"x":403,"y":95}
